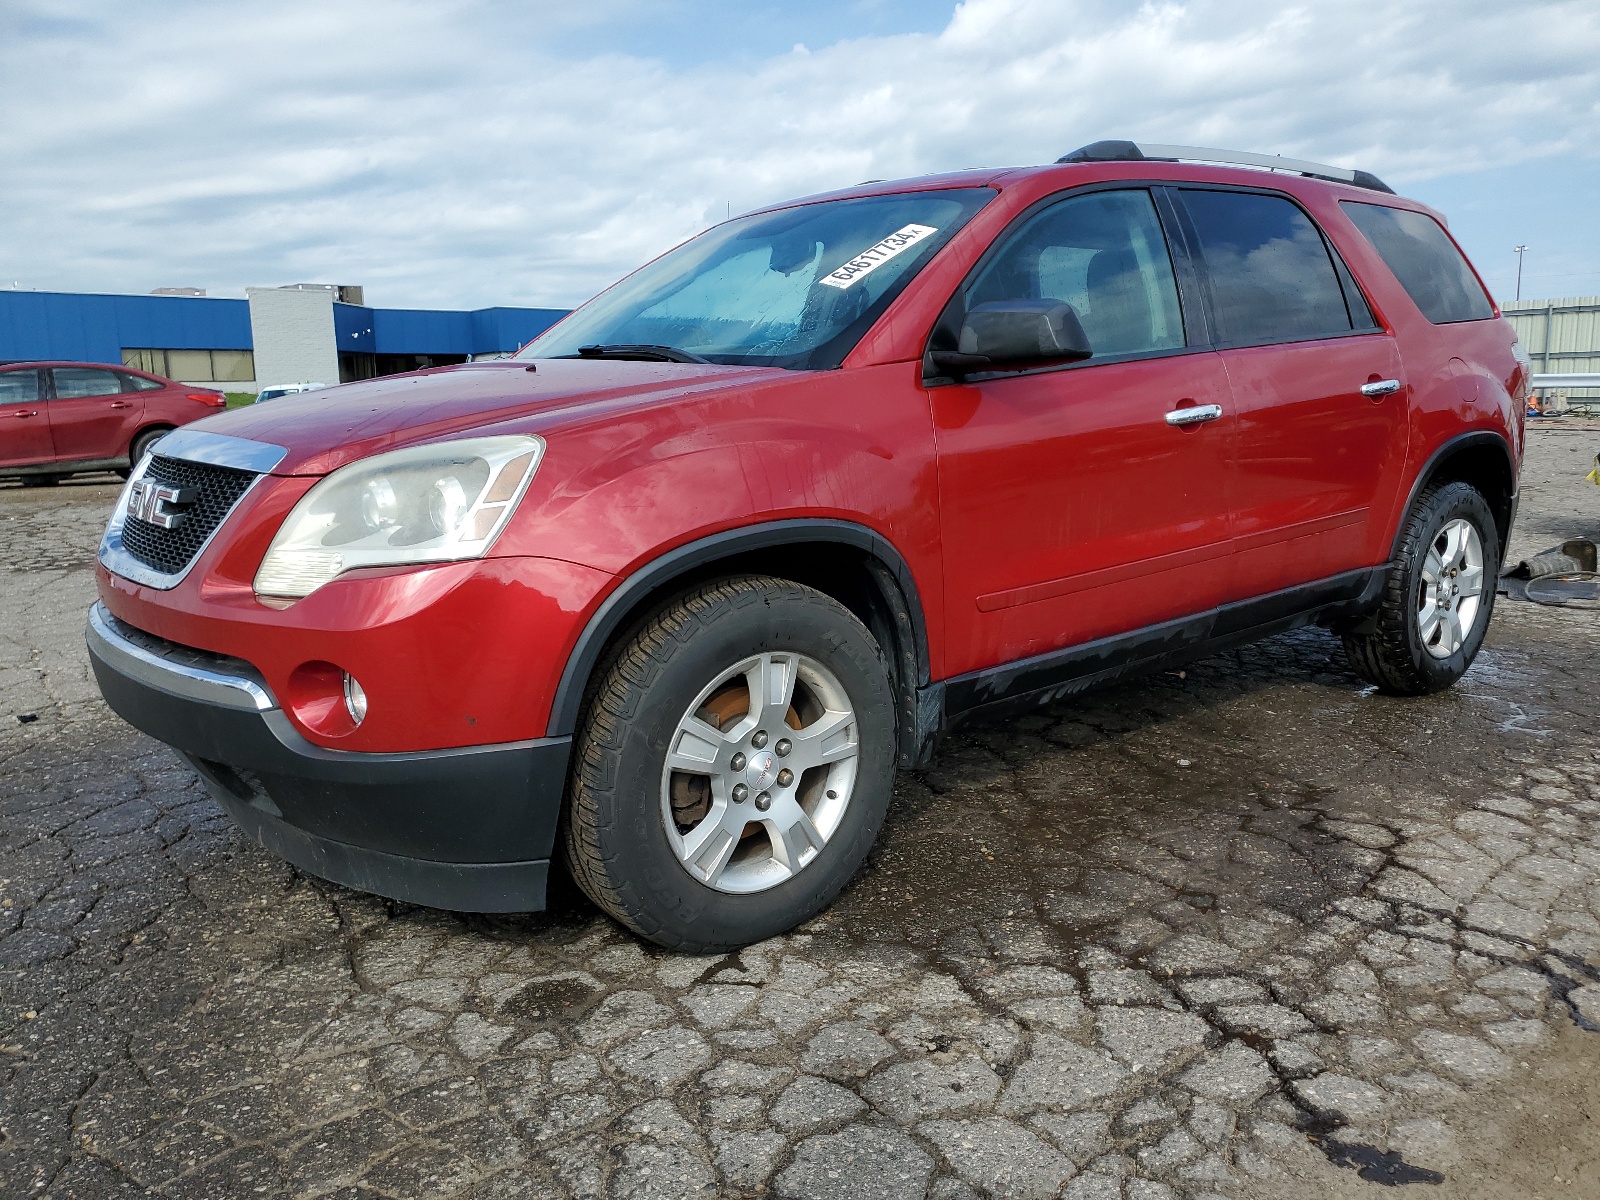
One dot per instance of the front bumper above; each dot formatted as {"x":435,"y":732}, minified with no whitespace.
{"x":470,"y":828}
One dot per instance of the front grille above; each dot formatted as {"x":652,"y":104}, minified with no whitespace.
{"x":217,"y":490}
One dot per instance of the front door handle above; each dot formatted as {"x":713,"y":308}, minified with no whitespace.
{"x":1380,"y":387}
{"x":1194,"y":415}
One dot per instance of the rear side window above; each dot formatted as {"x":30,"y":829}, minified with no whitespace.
{"x":1272,"y":279}
{"x":1424,"y":260}
{"x":75,"y":382}
{"x":19,"y":387}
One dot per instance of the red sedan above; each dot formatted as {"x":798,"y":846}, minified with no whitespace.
{"x":59,"y":418}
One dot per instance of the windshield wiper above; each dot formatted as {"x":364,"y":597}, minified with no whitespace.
{"x":640,"y":352}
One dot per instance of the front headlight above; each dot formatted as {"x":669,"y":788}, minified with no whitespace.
{"x":437,"y":503}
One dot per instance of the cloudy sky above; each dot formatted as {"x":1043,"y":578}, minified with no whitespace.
{"x":464,"y":153}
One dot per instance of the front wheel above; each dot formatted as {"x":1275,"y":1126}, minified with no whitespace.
{"x":1438,"y":598}
{"x":735,"y":765}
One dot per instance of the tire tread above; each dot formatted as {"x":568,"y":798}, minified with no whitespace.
{"x":1381,"y":651}
{"x":625,"y":675}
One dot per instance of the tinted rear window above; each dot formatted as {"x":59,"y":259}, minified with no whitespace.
{"x":1424,"y":260}
{"x":1271,"y":276}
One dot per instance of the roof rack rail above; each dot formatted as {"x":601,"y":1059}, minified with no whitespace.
{"x":1119,"y":151}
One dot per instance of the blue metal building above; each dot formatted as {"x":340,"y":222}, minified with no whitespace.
{"x":209,"y":339}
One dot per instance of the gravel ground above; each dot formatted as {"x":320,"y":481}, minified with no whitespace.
{"x":1246,"y":930}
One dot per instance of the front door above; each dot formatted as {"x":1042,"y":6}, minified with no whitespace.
{"x":24,"y":426}
{"x":1071,"y":507}
{"x":1318,"y":461}
{"x":91,"y":417}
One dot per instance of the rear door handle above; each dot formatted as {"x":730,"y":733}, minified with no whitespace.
{"x":120,"y":404}
{"x":1382,"y":387}
{"x":1194,"y":415}
{"x":26,"y":412}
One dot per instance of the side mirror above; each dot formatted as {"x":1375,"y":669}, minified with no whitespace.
{"x":1013,"y":334}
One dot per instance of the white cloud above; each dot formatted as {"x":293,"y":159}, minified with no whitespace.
{"x":462,"y":154}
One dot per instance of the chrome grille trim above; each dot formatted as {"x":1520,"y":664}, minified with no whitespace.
{"x":219,"y":450}
{"x":192,"y":445}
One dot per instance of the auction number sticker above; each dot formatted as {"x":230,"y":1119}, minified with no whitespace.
{"x":873,"y":257}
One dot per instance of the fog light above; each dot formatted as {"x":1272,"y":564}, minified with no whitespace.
{"x":355,"y":700}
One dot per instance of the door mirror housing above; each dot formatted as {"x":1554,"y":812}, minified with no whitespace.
{"x":1010,"y":335}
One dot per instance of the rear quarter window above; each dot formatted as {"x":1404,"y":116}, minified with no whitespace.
{"x":1424,"y":260}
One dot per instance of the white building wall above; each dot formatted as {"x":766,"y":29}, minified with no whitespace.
{"x":292,"y":329}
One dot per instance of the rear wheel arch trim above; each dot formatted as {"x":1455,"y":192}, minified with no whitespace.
{"x":145,"y":431}
{"x":1428,"y":474}
{"x":625,"y":600}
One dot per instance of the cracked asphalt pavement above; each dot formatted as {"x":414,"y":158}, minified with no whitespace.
{"x":1246,"y":930}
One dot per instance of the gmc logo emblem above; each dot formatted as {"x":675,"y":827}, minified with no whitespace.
{"x":155,"y":503}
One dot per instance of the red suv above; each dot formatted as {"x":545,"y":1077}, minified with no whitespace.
{"x":58,"y":418}
{"x":673,"y":592}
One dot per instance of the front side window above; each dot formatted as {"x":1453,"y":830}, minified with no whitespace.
{"x":1272,"y":279}
{"x":1105,"y":255}
{"x":73,"y":383}
{"x":1424,"y":260}
{"x":795,"y":288}
{"x":19,"y":387}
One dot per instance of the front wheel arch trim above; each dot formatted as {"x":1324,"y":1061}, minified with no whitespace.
{"x":624,"y":602}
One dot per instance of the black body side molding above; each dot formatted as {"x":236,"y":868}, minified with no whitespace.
{"x":996,"y":691}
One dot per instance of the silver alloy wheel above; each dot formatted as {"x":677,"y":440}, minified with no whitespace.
{"x":759,"y":772}
{"x":1451,"y":589}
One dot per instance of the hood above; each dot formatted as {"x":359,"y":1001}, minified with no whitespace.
{"x":326,"y":429}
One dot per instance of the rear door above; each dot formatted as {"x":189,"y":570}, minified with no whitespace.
{"x":24,"y":425}
{"x":91,"y":415}
{"x":1071,"y":508}
{"x":1317,"y":460}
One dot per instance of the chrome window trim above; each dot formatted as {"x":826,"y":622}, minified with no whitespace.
{"x":159,"y":671}
{"x":191,"y":445}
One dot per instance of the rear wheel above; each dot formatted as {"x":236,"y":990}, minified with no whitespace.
{"x":141,"y":447}
{"x":735,"y":765}
{"x":1438,"y":599}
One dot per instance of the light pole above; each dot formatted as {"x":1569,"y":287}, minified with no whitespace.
{"x":1519,"y":251}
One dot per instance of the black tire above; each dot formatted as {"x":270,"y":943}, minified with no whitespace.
{"x":141,"y":446}
{"x":40,"y":480}
{"x":1387,"y":649}
{"x":614,"y":833}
